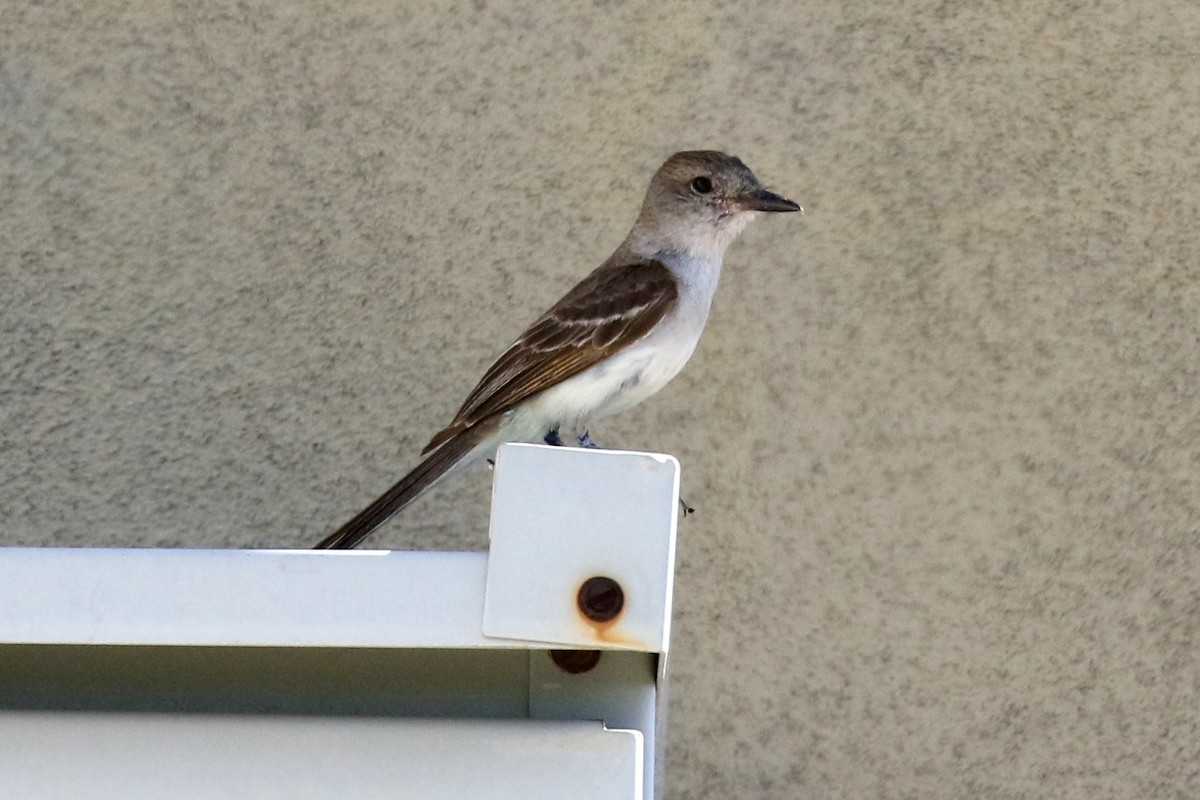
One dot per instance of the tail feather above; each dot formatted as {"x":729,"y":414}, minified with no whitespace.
{"x":407,"y":489}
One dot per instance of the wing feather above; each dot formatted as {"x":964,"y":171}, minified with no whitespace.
{"x":607,"y":311}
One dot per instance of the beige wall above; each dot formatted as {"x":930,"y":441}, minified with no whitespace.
{"x":943,"y":432}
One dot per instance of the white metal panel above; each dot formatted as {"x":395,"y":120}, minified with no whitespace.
{"x":562,"y":515}
{"x":156,"y":756}
{"x":243,"y":598}
{"x":620,"y":690}
{"x":264,"y":633}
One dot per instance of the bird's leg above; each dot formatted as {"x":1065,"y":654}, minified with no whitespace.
{"x":586,"y":441}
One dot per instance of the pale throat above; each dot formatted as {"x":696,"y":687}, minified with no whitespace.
{"x":695,"y":239}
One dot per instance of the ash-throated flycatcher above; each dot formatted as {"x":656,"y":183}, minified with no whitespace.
{"x":612,"y":341}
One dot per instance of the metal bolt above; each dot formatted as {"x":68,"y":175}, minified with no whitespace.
{"x":601,"y":599}
{"x":575,"y":661}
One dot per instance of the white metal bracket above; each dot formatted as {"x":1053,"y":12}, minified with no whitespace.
{"x":575,"y":516}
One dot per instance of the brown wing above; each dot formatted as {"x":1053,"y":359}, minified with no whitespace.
{"x":609,"y":309}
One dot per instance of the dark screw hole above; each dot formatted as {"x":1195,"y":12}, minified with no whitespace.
{"x":575,"y":661}
{"x":601,"y":599}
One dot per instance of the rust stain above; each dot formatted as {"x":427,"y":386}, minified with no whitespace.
{"x":604,"y":631}
{"x":610,"y":633}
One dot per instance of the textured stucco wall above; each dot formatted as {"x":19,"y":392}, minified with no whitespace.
{"x":943,"y":431}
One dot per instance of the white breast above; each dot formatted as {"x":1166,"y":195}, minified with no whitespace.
{"x":635,"y":373}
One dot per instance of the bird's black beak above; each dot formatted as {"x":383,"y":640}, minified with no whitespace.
{"x":762,"y":200}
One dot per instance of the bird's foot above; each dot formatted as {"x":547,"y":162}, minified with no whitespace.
{"x":586,"y":441}
{"x":684,"y":509}
{"x":553,"y":439}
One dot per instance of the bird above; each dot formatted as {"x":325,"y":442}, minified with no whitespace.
{"x":620,"y":335}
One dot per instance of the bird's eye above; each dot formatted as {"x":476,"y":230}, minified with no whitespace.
{"x":702,"y":185}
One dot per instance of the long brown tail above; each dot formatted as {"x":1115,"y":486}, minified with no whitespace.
{"x":407,"y":489}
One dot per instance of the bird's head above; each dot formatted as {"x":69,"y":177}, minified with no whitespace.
{"x":700,"y":200}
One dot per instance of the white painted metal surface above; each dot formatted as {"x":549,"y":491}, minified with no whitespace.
{"x":266,"y":655}
{"x":271,"y":598}
{"x":51,"y":756}
{"x":561,"y":517}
